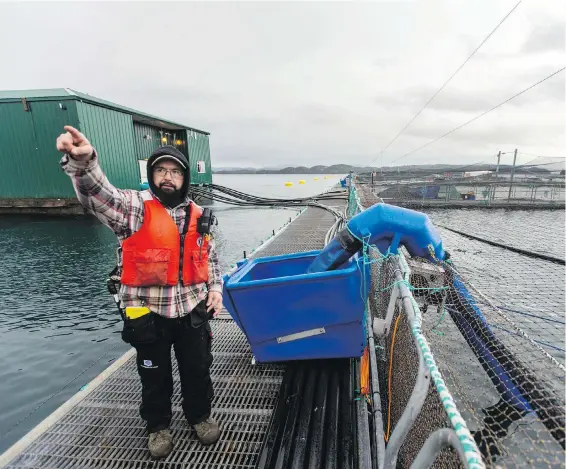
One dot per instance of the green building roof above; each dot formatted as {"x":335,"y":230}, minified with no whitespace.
{"x":53,"y":94}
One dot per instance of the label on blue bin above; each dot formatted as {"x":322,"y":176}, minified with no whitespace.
{"x":301,"y":335}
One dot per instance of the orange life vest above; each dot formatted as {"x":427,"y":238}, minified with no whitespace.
{"x":157,"y":253}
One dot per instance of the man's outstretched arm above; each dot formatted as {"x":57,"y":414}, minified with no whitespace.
{"x":110,"y":205}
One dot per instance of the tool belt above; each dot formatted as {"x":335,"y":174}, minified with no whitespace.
{"x":139,"y":321}
{"x":139,"y":326}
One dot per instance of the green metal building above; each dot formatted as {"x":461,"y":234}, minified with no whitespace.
{"x":31,"y":121}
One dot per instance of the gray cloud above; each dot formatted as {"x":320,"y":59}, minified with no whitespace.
{"x":544,"y":38}
{"x":552,"y":89}
{"x":524,"y":133}
{"x":447,"y":100}
{"x":476,"y":101}
{"x":384,"y":62}
{"x":299,"y":83}
{"x":320,"y":114}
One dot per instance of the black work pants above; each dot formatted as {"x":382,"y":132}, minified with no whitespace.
{"x":192,"y":345}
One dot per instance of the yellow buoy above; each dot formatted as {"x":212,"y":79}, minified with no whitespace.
{"x":288,"y":183}
{"x":302,"y":181}
{"x":316,"y":179}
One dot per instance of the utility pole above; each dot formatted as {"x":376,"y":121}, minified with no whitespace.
{"x":512,"y":174}
{"x":498,"y":160}
{"x":494,"y":186}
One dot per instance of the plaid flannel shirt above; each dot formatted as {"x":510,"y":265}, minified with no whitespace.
{"x":122,"y":211}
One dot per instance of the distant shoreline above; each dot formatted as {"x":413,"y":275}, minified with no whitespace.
{"x":322,"y":173}
{"x":313,"y":170}
{"x":343,"y":169}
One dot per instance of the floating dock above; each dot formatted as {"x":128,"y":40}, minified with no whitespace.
{"x":494,"y":204}
{"x":470,"y":194}
{"x":101,"y":427}
{"x":29,"y":206}
{"x":438,"y":394}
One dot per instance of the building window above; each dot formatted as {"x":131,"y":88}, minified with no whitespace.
{"x":143,"y":170}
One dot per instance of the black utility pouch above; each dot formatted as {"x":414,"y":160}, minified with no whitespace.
{"x":201,"y":318}
{"x":142,"y":330}
{"x":199,"y":315}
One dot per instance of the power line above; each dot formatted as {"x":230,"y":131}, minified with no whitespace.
{"x":477,"y":117}
{"x":447,"y":81}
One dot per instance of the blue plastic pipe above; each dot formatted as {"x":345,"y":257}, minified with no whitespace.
{"x":386,"y":227}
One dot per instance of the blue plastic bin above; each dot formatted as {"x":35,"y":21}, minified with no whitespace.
{"x":287,"y":314}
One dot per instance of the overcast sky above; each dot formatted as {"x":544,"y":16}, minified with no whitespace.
{"x":308,"y":83}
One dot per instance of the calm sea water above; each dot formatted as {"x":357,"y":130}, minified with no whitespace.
{"x":59,"y":327}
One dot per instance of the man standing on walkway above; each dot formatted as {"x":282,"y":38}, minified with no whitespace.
{"x":170,"y":281}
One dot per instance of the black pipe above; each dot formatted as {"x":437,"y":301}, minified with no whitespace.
{"x":524,"y":252}
{"x":318,"y":430}
{"x":302,"y":435}
{"x":347,"y":428}
{"x":264,"y":203}
{"x":269,"y":203}
{"x":311,"y":425}
{"x":276,"y":425}
{"x":261,"y":200}
{"x":294,"y":401}
{"x":243,"y":195}
{"x":332,"y":422}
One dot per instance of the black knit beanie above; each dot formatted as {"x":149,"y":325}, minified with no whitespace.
{"x":171,"y":153}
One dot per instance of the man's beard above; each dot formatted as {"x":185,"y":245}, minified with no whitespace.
{"x":170,"y":198}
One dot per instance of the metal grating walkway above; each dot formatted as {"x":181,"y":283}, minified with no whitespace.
{"x":306,"y":233}
{"x":104,"y":430}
